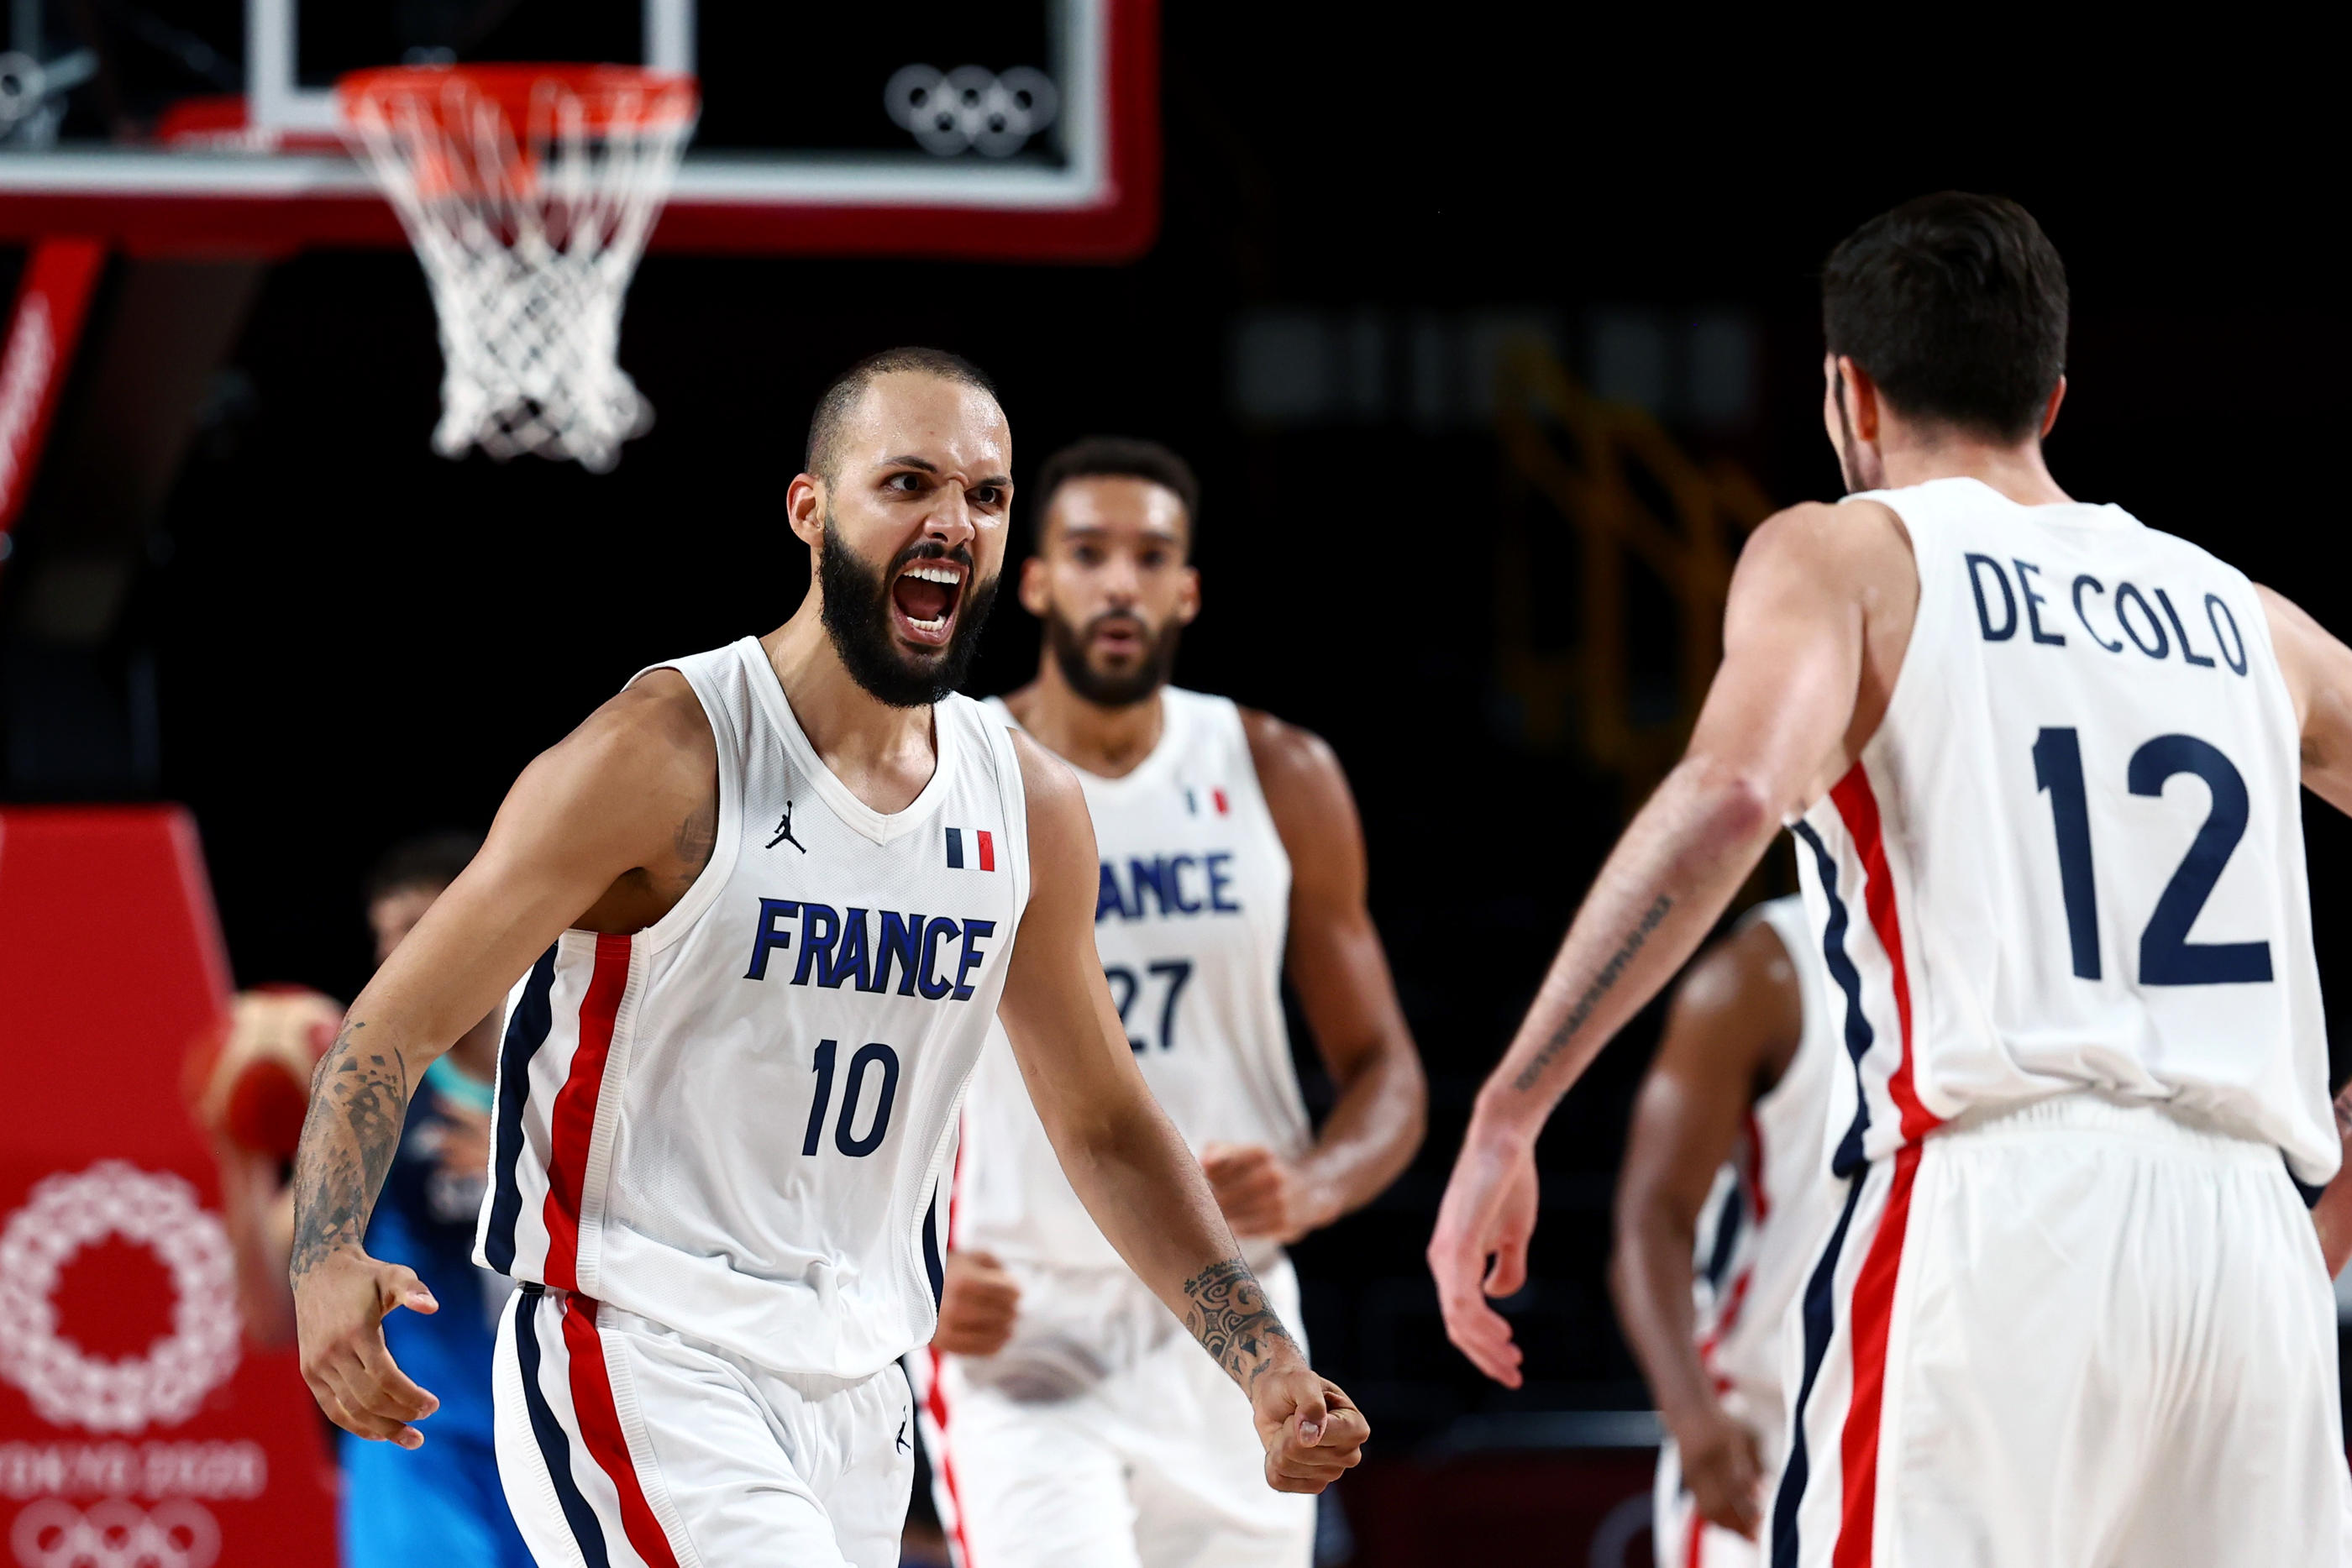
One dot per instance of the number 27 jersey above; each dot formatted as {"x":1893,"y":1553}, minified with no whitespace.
{"x":2071,"y":855}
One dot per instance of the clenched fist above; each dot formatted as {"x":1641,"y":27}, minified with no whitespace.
{"x":1262,"y":1193}
{"x":977,"y":1305}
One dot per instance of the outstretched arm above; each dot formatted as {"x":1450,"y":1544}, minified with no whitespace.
{"x":625,"y":792}
{"x":1124,"y":1157}
{"x":1788,"y":710}
{"x":1735,"y":1019}
{"x":1337,"y":965}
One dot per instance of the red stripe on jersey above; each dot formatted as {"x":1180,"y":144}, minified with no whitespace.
{"x":938,"y":1399}
{"x":1859,"y":809}
{"x":987,"y":851}
{"x":1762,"y":1199}
{"x":573,"y":1123}
{"x":1219,"y":796}
{"x":1873,"y":1310}
{"x":600,"y":1424}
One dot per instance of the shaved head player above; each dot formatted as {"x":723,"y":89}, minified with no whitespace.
{"x":1073,"y":1426}
{"x":2045,"y":766}
{"x":758,"y":913}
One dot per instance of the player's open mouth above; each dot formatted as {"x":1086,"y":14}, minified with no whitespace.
{"x":925,"y":596}
{"x":1119,"y":634}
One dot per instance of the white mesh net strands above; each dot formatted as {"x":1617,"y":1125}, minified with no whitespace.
{"x":528,"y":236}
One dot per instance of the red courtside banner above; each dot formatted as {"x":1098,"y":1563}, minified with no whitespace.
{"x":43,"y":330}
{"x":137,"y":1426}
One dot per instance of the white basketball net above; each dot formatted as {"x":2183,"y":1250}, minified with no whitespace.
{"x":529,"y":246}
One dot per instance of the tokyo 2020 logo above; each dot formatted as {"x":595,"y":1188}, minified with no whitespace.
{"x":66,"y":1385}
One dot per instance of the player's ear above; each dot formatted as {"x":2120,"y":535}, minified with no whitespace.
{"x":804,"y":508}
{"x":1033,"y":586}
{"x":2050,"y":412}
{"x":1188,"y":596}
{"x":1862,"y":402}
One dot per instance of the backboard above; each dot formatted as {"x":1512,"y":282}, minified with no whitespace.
{"x":1009,"y":129}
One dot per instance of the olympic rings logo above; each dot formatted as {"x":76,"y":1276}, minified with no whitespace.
{"x":156,"y":1210}
{"x":971,"y":108}
{"x":116,"y":1534}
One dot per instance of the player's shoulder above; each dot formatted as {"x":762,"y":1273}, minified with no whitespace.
{"x":1285,"y":750}
{"x":1815,"y":534}
{"x":1050,"y":784}
{"x":651,"y":738}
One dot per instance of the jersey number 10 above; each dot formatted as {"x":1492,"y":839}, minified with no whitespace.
{"x":861,"y":1067}
{"x":2167,"y":956}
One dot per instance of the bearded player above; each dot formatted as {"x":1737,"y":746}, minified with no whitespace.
{"x":2045,"y":766}
{"x":1072,"y":1425}
{"x":758,"y":913}
{"x":1724,"y":1193}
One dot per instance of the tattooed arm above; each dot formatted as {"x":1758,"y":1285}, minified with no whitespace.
{"x":1818,"y":616}
{"x":605,"y":831}
{"x":1127,"y":1161}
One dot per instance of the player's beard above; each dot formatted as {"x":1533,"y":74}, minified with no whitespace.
{"x":1106,"y":688}
{"x":856,"y":607}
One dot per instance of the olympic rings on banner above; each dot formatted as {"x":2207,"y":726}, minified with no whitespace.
{"x":971,"y":108}
{"x":116,"y":1534}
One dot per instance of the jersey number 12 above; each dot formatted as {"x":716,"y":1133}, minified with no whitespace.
{"x":2167,"y":956}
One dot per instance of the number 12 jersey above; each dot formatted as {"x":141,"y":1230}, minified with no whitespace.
{"x":2072,"y":857}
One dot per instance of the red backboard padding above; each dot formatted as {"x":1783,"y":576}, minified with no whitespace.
{"x":130,"y":1410}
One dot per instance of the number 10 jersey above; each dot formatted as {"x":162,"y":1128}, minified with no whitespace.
{"x":733,"y":1122}
{"x":2071,"y":856}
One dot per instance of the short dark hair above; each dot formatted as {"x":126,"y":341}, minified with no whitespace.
{"x":1956,"y":303}
{"x":428,"y":860}
{"x":1117,"y":457}
{"x":840,"y":396}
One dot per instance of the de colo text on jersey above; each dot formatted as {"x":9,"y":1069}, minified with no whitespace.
{"x":933,"y":957}
{"x":2013,"y":594}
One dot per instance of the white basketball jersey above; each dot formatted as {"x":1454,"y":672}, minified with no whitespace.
{"x":732,"y":1123}
{"x":1762,"y":1225}
{"x":1191,"y":922}
{"x":2071,"y":856}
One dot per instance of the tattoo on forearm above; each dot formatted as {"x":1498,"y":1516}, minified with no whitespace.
{"x":1230,"y":1317}
{"x":1603,"y":983}
{"x":358,"y":1100}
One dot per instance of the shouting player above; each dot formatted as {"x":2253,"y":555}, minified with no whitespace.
{"x":2043,"y":763}
{"x":1725,"y":1190}
{"x":758,"y":913}
{"x":1073,"y":1427}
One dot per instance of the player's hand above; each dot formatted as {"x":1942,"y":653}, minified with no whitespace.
{"x":1480,"y":1246}
{"x":339,"y":1311}
{"x":464,"y":1153}
{"x":1262,"y":1193}
{"x":1312,"y":1431}
{"x":977,"y":1305}
{"x":1723,"y":1467}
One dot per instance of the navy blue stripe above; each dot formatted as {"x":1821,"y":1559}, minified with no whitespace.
{"x":932,"y":1265}
{"x":1819,"y":1315}
{"x":1858,"y":1032}
{"x":554,"y":1447}
{"x":955,"y":849}
{"x":527,"y":1030}
{"x":1727,"y":1223}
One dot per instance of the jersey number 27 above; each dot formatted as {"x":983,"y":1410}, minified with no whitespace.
{"x":2167,"y":956}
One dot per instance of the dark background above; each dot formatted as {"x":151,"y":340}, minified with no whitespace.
{"x":336,"y":638}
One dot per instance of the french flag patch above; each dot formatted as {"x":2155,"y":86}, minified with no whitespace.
{"x":984,"y":848}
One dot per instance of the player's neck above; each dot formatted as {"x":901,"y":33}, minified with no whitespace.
{"x":1910,"y":456}
{"x":884,"y":754}
{"x":1107,"y":742}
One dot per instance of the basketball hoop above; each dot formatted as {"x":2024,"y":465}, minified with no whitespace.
{"x":528,"y":191}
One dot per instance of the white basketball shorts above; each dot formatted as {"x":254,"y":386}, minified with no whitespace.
{"x":1103,"y":1437}
{"x":624,"y":1444}
{"x":1678,"y":1537}
{"x":2083,"y":1335}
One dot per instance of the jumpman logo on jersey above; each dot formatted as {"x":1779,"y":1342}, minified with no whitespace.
{"x":784,"y":832}
{"x":903,"y":1444}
